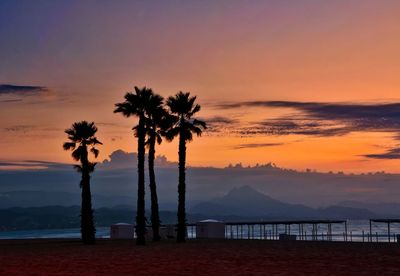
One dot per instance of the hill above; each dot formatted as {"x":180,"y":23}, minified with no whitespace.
{"x":247,"y":202}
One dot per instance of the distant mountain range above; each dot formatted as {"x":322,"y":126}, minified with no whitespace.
{"x":37,"y":209}
{"x":239,"y":204}
{"x":247,"y":202}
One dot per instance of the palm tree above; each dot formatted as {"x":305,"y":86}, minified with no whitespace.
{"x":135,"y":104}
{"x":184,"y":108}
{"x":158,"y":121}
{"x":81,"y":136}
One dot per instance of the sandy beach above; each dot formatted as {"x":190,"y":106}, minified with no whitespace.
{"x":205,"y":257}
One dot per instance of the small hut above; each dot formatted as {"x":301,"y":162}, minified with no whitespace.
{"x":210,"y":229}
{"x":122,"y":231}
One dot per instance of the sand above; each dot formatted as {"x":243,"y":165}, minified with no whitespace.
{"x":196,"y":257}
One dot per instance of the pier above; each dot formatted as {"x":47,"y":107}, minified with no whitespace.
{"x":272,"y":229}
{"x":307,"y":230}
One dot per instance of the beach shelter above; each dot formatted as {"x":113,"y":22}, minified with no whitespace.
{"x":122,"y":231}
{"x":210,"y":229}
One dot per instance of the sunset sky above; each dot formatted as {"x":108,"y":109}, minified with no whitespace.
{"x":303,"y":84}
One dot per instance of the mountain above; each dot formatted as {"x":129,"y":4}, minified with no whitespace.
{"x":247,"y":202}
{"x":380,"y":209}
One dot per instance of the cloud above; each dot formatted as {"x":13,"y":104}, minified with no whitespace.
{"x":393,"y":153}
{"x":257,"y":145}
{"x":19,"y":128}
{"x":10,"y":101}
{"x":220,"y":120}
{"x":21,"y":90}
{"x":322,"y":119}
{"x":219,"y":124}
{"x":33,"y":165}
{"x":297,"y":127}
{"x":120,"y":159}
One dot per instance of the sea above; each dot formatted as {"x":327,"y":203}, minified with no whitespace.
{"x":357,"y":231}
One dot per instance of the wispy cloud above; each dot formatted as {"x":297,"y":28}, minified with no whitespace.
{"x":257,"y":145}
{"x":10,"y":101}
{"x":322,"y":119}
{"x":21,"y":90}
{"x":32,"y":165}
{"x":19,"y":128}
{"x":393,"y":153}
{"x":220,"y":120}
{"x":219,"y":124}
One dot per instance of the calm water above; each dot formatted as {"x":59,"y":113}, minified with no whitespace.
{"x":101,"y":232}
{"x":355,"y":232}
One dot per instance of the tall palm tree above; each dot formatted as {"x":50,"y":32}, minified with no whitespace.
{"x":158,"y":121}
{"x":135,"y":104}
{"x":81,"y":136}
{"x":184,"y":108}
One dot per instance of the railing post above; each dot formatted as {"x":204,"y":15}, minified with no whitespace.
{"x":370,"y":231}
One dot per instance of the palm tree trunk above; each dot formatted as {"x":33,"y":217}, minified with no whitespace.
{"x":181,"y":235}
{"x":88,"y":229}
{"x":140,"y":215}
{"x":155,"y":218}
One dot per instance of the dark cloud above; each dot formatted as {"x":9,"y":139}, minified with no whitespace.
{"x":33,"y":165}
{"x":323,"y":119}
{"x":11,"y":101}
{"x":21,"y":90}
{"x":219,"y":124}
{"x":298,"y":127}
{"x":393,"y":153}
{"x":257,"y":145}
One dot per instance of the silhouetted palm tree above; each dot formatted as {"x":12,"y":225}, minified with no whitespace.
{"x":158,"y":121}
{"x":135,"y":104}
{"x":184,"y":108}
{"x":81,"y":136}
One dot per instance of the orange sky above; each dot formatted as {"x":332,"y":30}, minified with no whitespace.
{"x":88,"y":55}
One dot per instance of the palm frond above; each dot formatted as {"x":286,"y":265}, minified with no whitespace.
{"x":172,"y":133}
{"x":200,"y":123}
{"x":158,"y":138}
{"x":78,"y":153}
{"x":194,"y":110}
{"x":188,"y":135}
{"x":197,"y":130}
{"x":69,"y":146}
{"x":95,"y":152}
{"x":93,"y":141}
